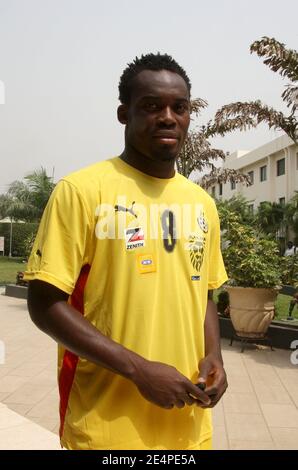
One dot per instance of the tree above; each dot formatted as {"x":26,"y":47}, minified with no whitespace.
{"x":291,"y":215}
{"x":282,"y":60}
{"x":198,"y":155}
{"x":270,"y":217}
{"x":40,"y":187}
{"x":239,"y":206}
{"x":26,"y":200}
{"x":249,"y":114}
{"x":4,"y":206}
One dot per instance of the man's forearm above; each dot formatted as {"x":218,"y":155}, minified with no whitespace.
{"x":68,"y":327}
{"x":211,"y":367}
{"x":158,"y":383}
{"x":211,"y":330}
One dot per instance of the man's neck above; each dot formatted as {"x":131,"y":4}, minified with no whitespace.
{"x":157,"y":168}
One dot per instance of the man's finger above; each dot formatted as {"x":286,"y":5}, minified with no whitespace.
{"x":205,"y":369}
{"x":212,"y":390}
{"x":214,"y":400}
{"x":168,"y":407}
{"x":195,"y":392}
{"x":180,"y":404}
{"x":189,"y":400}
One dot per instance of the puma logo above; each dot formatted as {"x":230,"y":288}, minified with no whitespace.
{"x":125,"y":209}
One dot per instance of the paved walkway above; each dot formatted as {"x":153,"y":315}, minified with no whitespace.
{"x":259,"y":411}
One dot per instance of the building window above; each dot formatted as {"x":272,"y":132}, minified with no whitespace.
{"x":220,"y":189}
{"x":233,"y":185}
{"x":213,"y":191}
{"x":263,"y":173}
{"x":251,"y":176}
{"x":282,"y":201}
{"x":281,"y":166}
{"x":250,"y":208}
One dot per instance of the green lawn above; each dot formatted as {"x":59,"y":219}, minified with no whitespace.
{"x":9,"y":268}
{"x":281,"y":306}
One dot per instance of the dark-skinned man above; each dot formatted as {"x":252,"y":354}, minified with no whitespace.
{"x":119,"y":274}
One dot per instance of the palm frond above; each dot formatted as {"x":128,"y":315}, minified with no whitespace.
{"x":249,"y":114}
{"x":278,"y":57}
{"x":282,"y":60}
{"x":223,"y":175}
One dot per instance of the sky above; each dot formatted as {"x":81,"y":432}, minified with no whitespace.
{"x":61,"y":60}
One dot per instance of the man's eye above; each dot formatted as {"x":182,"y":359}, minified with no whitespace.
{"x":151,"y":106}
{"x":181,"y":108}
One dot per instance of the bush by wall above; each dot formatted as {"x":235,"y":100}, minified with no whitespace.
{"x":20,"y":233}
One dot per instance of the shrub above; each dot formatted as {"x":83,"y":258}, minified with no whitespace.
{"x":289,"y":270}
{"x":20,"y":233}
{"x":250,"y":257}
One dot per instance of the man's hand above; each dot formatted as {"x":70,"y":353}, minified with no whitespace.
{"x":164,"y":386}
{"x":213,"y":375}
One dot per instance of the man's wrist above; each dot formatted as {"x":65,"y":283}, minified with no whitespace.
{"x":135,"y":364}
{"x":215,"y":355}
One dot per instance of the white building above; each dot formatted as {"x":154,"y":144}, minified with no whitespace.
{"x":273,"y":171}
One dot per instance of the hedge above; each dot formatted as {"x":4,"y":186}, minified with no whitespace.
{"x":20,"y":232}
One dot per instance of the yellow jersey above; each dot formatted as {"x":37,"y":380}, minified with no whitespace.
{"x":137,"y":255}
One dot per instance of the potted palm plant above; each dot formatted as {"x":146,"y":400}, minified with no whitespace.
{"x":253,"y":267}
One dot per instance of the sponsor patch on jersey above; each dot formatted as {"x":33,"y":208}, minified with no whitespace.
{"x":134,"y":238}
{"x":195,"y":278}
{"x":146,"y":263}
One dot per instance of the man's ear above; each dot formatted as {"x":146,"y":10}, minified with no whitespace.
{"x":122,"y":113}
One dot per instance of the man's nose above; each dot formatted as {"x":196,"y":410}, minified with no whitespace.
{"x":166,"y":117}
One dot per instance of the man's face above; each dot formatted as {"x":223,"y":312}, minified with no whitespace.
{"x":158,"y":115}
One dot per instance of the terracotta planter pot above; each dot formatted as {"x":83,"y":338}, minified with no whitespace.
{"x":251,"y":310}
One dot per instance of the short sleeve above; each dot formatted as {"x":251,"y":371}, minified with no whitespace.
{"x":62,"y":243}
{"x":217,"y":274}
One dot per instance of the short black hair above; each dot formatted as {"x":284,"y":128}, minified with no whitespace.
{"x":148,"y":62}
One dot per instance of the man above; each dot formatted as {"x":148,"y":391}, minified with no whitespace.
{"x":290,"y":250}
{"x":119,"y":274}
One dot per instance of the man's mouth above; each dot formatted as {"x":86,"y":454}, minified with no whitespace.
{"x":166,"y":138}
